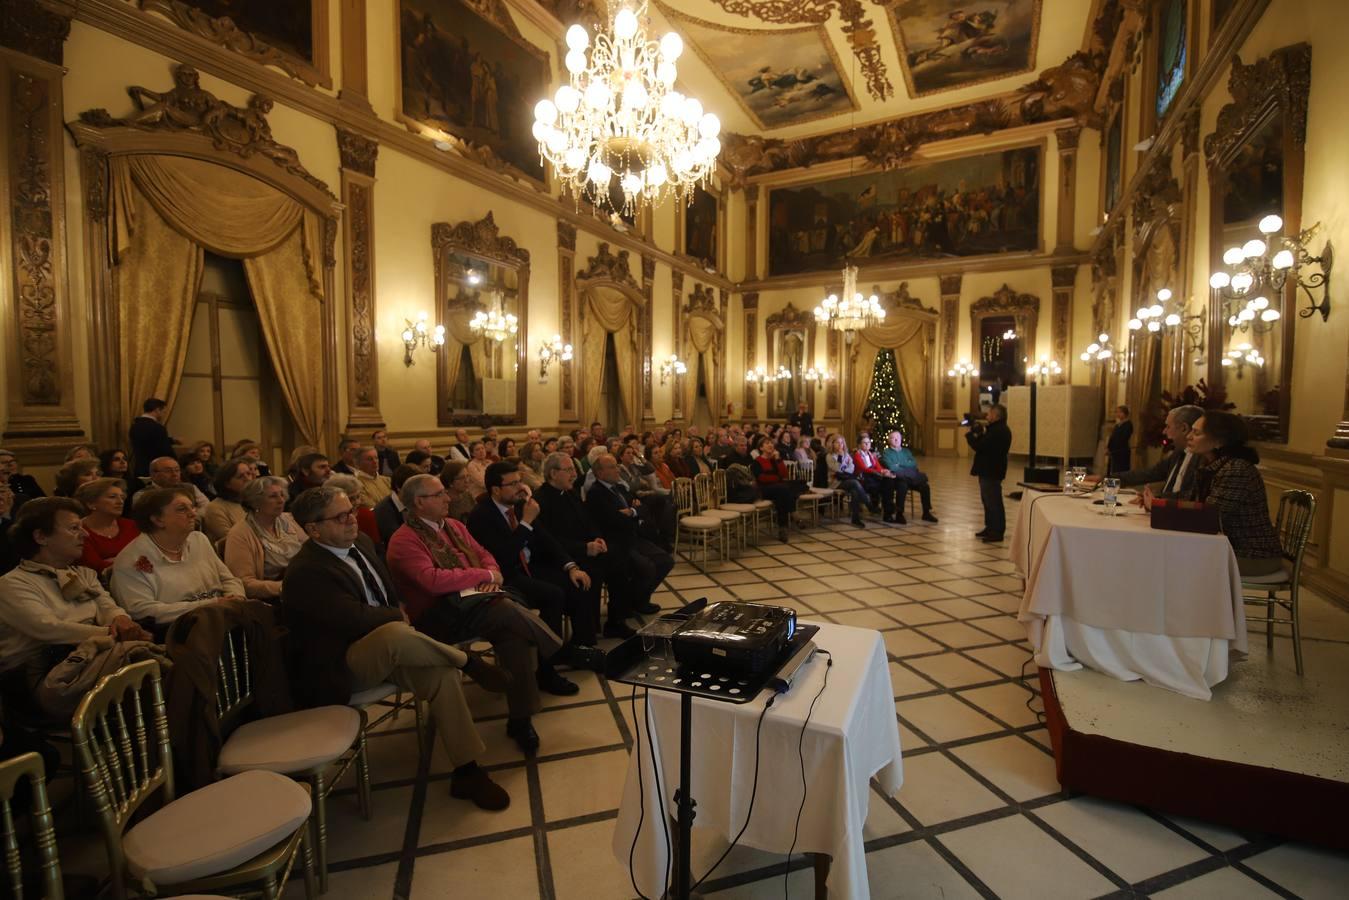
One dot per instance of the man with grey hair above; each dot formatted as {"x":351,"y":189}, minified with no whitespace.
{"x":347,"y":450}
{"x":374,"y":486}
{"x":1176,"y":470}
{"x":167,"y":473}
{"x":991,"y":444}
{"x":615,"y":513}
{"x":348,"y":634}
{"x":459,"y":451}
{"x":451,"y":588}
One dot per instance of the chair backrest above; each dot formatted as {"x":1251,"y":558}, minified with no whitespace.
{"x":121,"y":736}
{"x":793,"y":469}
{"x":719,"y":486}
{"x":683,"y":496}
{"x":806,"y":470}
{"x":12,"y":772}
{"x":1297,"y":509}
{"x":702,"y":492}
{"x":234,"y":680}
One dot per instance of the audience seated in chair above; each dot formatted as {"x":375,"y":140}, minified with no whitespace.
{"x":899,"y":460}
{"x":250,"y":451}
{"x":388,"y":456}
{"x":9,"y":558}
{"x":24,"y":487}
{"x":347,"y":451}
{"x":462,"y":492}
{"x":115,"y":464}
{"x":615,"y":512}
{"x":843,"y":476}
{"x":259,"y":549}
{"x":374,"y":486}
{"x":227,"y":509}
{"x":171,"y":567}
{"x":309,"y":469}
{"x":194,"y":473}
{"x":451,"y":590}
{"x":106,"y":530}
{"x":348,"y":634}
{"x":884,"y":490}
{"x":775,"y":484}
{"x":389,"y":511}
{"x":74,"y":474}
{"x":365,"y":516}
{"x":534,"y":565}
{"x":476,"y":470}
{"x":50,"y":602}
{"x":165,"y":472}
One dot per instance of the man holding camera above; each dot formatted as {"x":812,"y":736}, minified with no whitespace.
{"x":991,"y":444}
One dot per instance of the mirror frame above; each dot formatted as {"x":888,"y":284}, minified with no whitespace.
{"x":1005,"y":301}
{"x":789,"y":318}
{"x":1275,"y":85}
{"x":481,"y":240}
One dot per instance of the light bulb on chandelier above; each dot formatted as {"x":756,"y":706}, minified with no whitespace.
{"x":619,"y":115}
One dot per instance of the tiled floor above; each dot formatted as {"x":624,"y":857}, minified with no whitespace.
{"x":980,"y":813}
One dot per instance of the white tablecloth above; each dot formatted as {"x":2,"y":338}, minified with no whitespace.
{"x":1114,"y":594}
{"x":853,"y":735}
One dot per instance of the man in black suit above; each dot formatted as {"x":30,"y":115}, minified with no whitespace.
{"x":564,"y":517}
{"x":24,"y":487}
{"x":1177,"y":470}
{"x":388,"y":456}
{"x":389,"y":511}
{"x":459,"y":451}
{"x":149,"y":438}
{"x":615,"y":513}
{"x":437,"y":462}
{"x":991,"y":444}
{"x":1117,"y":447}
{"x":535,"y":565}
{"x":347,"y":449}
{"x":802,"y":419}
{"x":739,"y":455}
{"x":347,"y":634}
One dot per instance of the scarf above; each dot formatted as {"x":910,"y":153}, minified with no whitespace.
{"x":443,"y":556}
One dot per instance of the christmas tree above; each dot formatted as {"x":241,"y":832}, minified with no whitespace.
{"x":885,"y":403}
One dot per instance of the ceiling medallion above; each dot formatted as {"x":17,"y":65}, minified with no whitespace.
{"x":860,"y":30}
{"x":619,"y":116}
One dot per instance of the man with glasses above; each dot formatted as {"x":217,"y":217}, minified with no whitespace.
{"x":348,"y":634}
{"x":166,"y":473}
{"x":535,"y":566}
{"x":451,"y":589}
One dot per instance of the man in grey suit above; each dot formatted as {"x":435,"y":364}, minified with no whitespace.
{"x":1176,"y":471}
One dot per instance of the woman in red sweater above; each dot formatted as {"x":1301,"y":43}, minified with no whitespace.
{"x":106,"y":532}
{"x":878,"y":481}
{"x":775,"y":485}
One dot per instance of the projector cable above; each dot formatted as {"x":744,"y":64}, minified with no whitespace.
{"x":801,"y":755}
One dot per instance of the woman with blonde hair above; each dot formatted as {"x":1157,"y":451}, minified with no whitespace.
{"x":73,"y":474}
{"x":843,"y":476}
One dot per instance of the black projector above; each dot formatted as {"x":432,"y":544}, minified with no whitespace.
{"x":740,"y":637}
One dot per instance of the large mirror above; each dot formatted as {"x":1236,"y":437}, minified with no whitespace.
{"x":1255,"y":161}
{"x":791,"y":352}
{"x":482,"y":286}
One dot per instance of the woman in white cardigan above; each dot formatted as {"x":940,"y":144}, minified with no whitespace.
{"x":171,"y":568}
{"x":259,"y":548}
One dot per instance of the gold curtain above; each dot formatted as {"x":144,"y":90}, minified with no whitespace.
{"x":911,"y":360}
{"x":703,"y":334}
{"x":625,"y":358}
{"x":609,"y":311}
{"x":895,"y":332}
{"x":157,"y":277}
{"x":206,"y":206}
{"x":457,"y":334}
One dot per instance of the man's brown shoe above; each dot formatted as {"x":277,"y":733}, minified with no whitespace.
{"x":473,"y":783}
{"x":488,"y":677}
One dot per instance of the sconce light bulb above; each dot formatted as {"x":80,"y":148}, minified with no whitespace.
{"x":1154,"y":325}
{"x":1085,"y":357}
{"x":1269,"y":315}
{"x":1260,"y":303}
{"x":1135,"y":324}
{"x":407,"y":335}
{"x":1219,"y":280}
{"x":1164,"y":295}
{"x":1253,"y":248}
{"x":1245,"y":315}
{"x":1233,"y":256}
{"x":1092,"y":348}
{"x":1104,"y":354}
{"x":1271,"y":224}
{"x":1173,"y":320}
{"x":1283,"y":260}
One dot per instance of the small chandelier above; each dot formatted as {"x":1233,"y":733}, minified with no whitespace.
{"x":549,"y":351}
{"x":964,"y":370}
{"x":671,"y":367}
{"x":852,"y":312}
{"x":619,"y":115}
{"x":1043,"y":369}
{"x":1251,"y":291}
{"x":1009,"y":334}
{"x":494,"y":326}
{"x":1098,"y":350}
{"x":419,"y":334}
{"x":817,"y":376}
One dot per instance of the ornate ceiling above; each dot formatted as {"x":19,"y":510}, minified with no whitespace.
{"x":788,"y":68}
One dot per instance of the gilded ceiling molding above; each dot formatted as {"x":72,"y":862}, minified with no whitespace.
{"x":480,"y":238}
{"x":30,"y":28}
{"x":188,"y":107}
{"x":223,"y":32}
{"x":1279,"y":81}
{"x":1062,"y":92}
{"x":1006,"y":300}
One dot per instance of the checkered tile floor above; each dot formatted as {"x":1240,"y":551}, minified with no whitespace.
{"x":980,"y":813}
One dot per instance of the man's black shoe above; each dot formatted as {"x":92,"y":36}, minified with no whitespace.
{"x":648,"y":608}
{"x":618,"y":630}
{"x":929,"y":517}
{"x":991,"y":539}
{"x":980,"y":534}
{"x":551,"y":682}
{"x":522,"y":731}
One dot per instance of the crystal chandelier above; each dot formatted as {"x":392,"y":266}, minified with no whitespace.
{"x":494,"y":326}
{"x":852,"y":312}
{"x":619,"y":115}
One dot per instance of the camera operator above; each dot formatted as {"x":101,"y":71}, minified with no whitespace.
{"x":991,"y":444}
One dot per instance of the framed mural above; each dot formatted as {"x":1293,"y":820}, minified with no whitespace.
{"x":1221,"y":9}
{"x":293,"y":36}
{"x":780,"y":77}
{"x":1113,"y":153}
{"x":702,"y":228}
{"x":473,"y":77}
{"x":1172,"y":52}
{"x":968,"y":206}
{"x":949,"y":44}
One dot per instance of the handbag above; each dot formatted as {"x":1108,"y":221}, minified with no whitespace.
{"x":1184,"y":515}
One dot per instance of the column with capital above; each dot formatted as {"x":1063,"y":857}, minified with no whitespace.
{"x":1061,"y":319}
{"x":1067,"y":141}
{"x":358,"y":155}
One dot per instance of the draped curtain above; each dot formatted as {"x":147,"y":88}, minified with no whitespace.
{"x":904,"y":335}
{"x":166,"y":211}
{"x":610,"y":311}
{"x":703,"y":334}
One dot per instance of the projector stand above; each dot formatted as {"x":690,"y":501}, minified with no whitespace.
{"x":684,"y":803}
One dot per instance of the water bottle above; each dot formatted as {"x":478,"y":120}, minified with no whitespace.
{"x":1111,"y":495}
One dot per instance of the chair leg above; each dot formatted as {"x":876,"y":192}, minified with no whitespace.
{"x":1296,"y":617}
{"x":1269,"y":622}
{"x":307,"y":857}
{"x":363,"y":773}
{"x":320,"y":816}
{"x":269,"y":889}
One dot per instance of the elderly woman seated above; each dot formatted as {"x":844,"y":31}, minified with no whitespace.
{"x":227,"y":509}
{"x":172,"y":567}
{"x":259,"y":548}
{"x":50,"y":602}
{"x":75,"y":473}
{"x":106,"y":530}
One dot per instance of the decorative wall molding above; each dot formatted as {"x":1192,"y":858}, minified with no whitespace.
{"x":1005,"y":301}
{"x":1280,"y":81}
{"x":358,"y":156}
{"x":749,"y":303}
{"x":610,"y":266}
{"x":647,"y":317}
{"x":33,"y":30}
{"x":566,"y":315}
{"x":898,"y":271}
{"x":357,"y":152}
{"x":900,"y":299}
{"x":1063,"y":279}
{"x":481,"y":238}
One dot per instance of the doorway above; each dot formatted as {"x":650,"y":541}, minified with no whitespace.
{"x":611,"y":393}
{"x":702,"y":405}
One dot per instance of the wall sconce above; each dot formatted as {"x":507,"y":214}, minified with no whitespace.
{"x":1256,"y":272}
{"x":1043,"y":369}
{"x":816,"y":376}
{"x":417,"y":334}
{"x":671,"y":367}
{"x":964,"y":370}
{"x":760,"y":377}
{"x":1241,"y":356}
{"x":549,"y":351}
{"x":1164,"y":314}
{"x":1099,"y":351}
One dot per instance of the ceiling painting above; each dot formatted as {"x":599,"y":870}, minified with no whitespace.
{"x":945,"y":45}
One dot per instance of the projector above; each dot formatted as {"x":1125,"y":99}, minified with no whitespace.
{"x":742,"y":637}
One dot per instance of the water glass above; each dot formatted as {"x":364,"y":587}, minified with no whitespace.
{"x":1069,"y":481}
{"x":1111,"y":486}
{"x":1080,"y":477}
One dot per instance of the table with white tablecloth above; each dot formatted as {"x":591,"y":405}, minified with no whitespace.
{"x":852,"y":736}
{"x":1116,"y":595}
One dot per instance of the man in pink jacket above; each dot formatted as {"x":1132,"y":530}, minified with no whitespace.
{"x":451,"y":586}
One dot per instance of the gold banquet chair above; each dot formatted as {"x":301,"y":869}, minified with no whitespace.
{"x":704,"y":529}
{"x":240,"y":833}
{"x":809,"y":502}
{"x":13,"y":771}
{"x":303,"y":744}
{"x":734,"y":531}
{"x":756,"y":514}
{"x":1297,"y":509}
